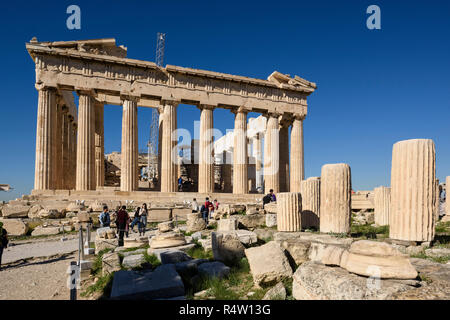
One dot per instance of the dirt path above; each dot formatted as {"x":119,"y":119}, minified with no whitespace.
{"x":38,"y":279}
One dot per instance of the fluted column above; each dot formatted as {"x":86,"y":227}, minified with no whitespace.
{"x":168,"y":150}
{"x":382,"y":199}
{"x":85,"y":178}
{"x":258,"y":163}
{"x":284,"y":156}
{"x":206,"y":151}
{"x":240,"y":153}
{"x":129,"y":159}
{"x":289,"y":207}
{"x":413,"y":178}
{"x":99,"y":146}
{"x":45,"y":136}
{"x":65,"y":149}
{"x":58,"y":146}
{"x":297,"y":170}
{"x":310,"y":191}
{"x":335,"y":198}
{"x":272,"y":155}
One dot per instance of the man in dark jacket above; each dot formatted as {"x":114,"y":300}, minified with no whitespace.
{"x":121,"y":222}
{"x":3,"y":242}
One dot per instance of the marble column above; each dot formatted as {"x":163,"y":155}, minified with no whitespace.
{"x":258,"y":163}
{"x":240,"y":153}
{"x":129,"y":158}
{"x":99,"y":145}
{"x":45,"y":135}
{"x":73,"y":154}
{"x":206,"y":151}
{"x":272,"y":155}
{"x":58,"y":145}
{"x":168,"y":150}
{"x":297,"y":172}
{"x":85,"y":178}
{"x":65,"y":149}
{"x":284,"y":156}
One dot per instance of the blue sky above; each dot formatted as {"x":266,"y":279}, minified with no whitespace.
{"x":375,"y":87}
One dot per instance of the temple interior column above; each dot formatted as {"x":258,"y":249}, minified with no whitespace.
{"x":297,"y":172}
{"x":99,"y":145}
{"x":272,"y":155}
{"x":85,"y":167}
{"x":73,"y":152}
{"x":240,"y":153}
{"x":168,"y":150}
{"x":45,"y":136}
{"x":206,"y":151}
{"x":284,"y":156}
{"x":129,"y":176}
{"x":65,"y":149}
{"x":58,"y":145}
{"x":258,"y":163}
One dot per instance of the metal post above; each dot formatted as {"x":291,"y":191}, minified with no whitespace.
{"x":81,"y":242}
{"x":74,"y":280}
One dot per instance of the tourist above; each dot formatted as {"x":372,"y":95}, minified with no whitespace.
{"x":215,"y":208}
{"x":143,"y":219}
{"x":105,"y":219}
{"x":209,"y":206}
{"x":3,"y":242}
{"x":136,"y":218}
{"x":180,"y":184}
{"x":273,"y":198}
{"x":194,"y":206}
{"x":121,"y":222}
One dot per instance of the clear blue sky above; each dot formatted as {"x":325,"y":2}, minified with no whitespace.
{"x":375,"y":87}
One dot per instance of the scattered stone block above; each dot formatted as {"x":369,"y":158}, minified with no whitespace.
{"x":135,"y":242}
{"x":133,"y":261}
{"x":41,"y":231}
{"x":163,"y":283}
{"x":110,"y":263}
{"x":134,"y":252}
{"x":271,"y":220}
{"x":227,"y":247}
{"x":246,"y":237}
{"x":15,"y":211}
{"x":268,"y":264}
{"x":195,"y":222}
{"x":165,"y":226}
{"x":230,"y":224}
{"x":206,"y":243}
{"x":173,"y":256}
{"x":15,"y":227}
{"x":298,"y":250}
{"x":167,"y":240}
{"x":271,"y":207}
{"x":278,"y":292}
{"x":251,"y":222}
{"x":213,"y":270}
{"x":438,"y":252}
{"x":102,"y":244}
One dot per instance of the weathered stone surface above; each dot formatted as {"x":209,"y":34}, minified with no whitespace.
{"x":213,"y":270}
{"x":15,"y":211}
{"x":167,"y":240}
{"x":110,"y":263}
{"x":206,"y":243}
{"x":268,"y":264}
{"x":332,"y":255}
{"x":41,"y":231}
{"x":196,"y":236}
{"x":265,"y":234}
{"x":310,"y":191}
{"x":157,"y":252}
{"x":227,"y":247}
{"x":130,"y":253}
{"x":101,"y":232}
{"x":51,"y":214}
{"x":133,"y":261}
{"x":413,"y":189}
{"x":438,"y":252}
{"x":372,"y":258}
{"x":246,"y":237}
{"x":335,"y":198}
{"x":271,"y":220}
{"x":34,"y":211}
{"x":278,"y":292}
{"x":163,"y":283}
{"x":195,"y":222}
{"x":271,"y":207}
{"x":165,"y":226}
{"x":297,"y":249}
{"x":315,"y":281}
{"x":382,"y":199}
{"x":230,"y":224}
{"x":251,"y":222}
{"x":15,"y":227}
{"x":173,"y":256}
{"x":97,"y":206}
{"x":102,"y":244}
{"x":135,"y":242}
{"x":289,"y":211}
{"x":73,"y":207}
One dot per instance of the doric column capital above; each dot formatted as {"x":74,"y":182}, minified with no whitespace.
{"x":271,"y":114}
{"x":299,"y":116}
{"x":85,"y":91}
{"x":241,"y":109}
{"x":129,"y":96}
{"x":285,"y":120}
{"x":43,"y":86}
{"x":202,"y":106}
{"x":171,"y":102}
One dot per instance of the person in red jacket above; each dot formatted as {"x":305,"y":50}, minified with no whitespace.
{"x":121,"y":222}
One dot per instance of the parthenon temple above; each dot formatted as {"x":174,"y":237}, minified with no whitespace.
{"x":70,"y":139}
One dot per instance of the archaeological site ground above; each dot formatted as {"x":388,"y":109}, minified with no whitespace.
{"x":215,"y":216}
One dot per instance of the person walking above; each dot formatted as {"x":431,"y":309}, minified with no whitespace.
{"x":194,"y":206}
{"x":143,"y":219}
{"x":3,"y":241}
{"x":105,"y":219}
{"x":136,"y":218}
{"x":121,"y":222}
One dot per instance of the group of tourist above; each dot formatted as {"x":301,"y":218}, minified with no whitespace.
{"x":207,"y":209}
{"x":124,"y":222}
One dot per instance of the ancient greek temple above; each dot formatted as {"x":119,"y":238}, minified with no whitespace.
{"x":70,"y":139}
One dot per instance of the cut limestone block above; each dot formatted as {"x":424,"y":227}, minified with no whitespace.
{"x":289,"y":211}
{"x":413,"y":179}
{"x":335,"y":198}
{"x":15,"y":227}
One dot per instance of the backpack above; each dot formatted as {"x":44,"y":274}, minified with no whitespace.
{"x":267,"y":198}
